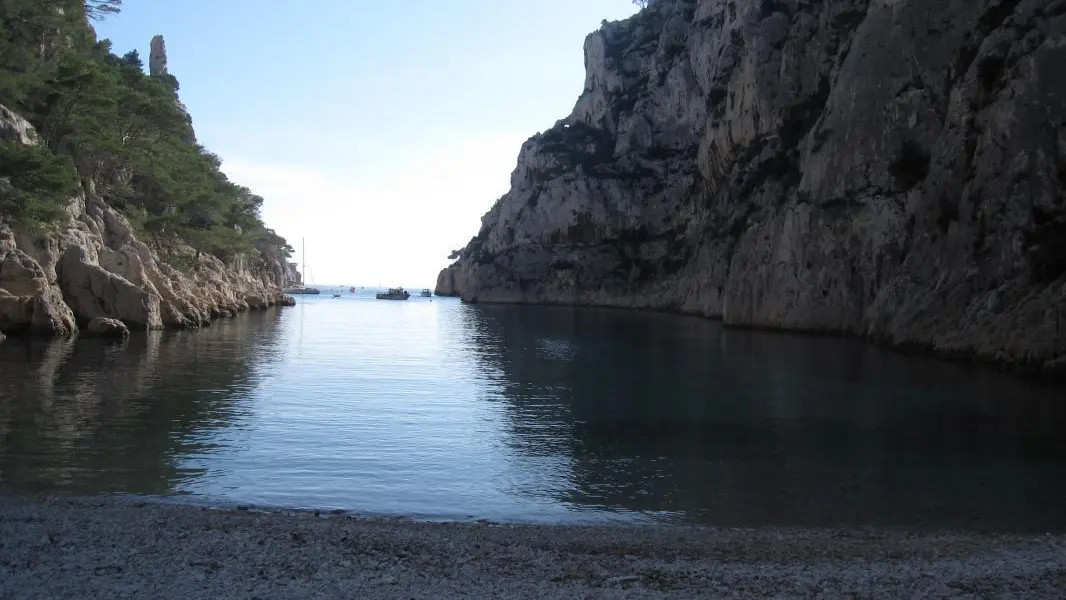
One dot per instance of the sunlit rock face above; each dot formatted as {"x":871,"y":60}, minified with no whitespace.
{"x":888,"y":168}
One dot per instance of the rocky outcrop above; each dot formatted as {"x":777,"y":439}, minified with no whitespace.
{"x":157,"y":67}
{"x":15,"y":128}
{"x":96,"y":269}
{"x":109,"y":328}
{"x":893,"y":169}
{"x":30,"y":302}
{"x":157,"y":57}
{"x":291,"y":276}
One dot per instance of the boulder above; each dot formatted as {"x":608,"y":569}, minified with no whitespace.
{"x":29,"y":301}
{"x":93,"y":292}
{"x":105,"y":327}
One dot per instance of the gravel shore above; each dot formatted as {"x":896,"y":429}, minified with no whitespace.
{"x":103,"y":548}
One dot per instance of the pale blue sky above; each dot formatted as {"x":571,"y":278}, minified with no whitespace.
{"x":380,"y":131}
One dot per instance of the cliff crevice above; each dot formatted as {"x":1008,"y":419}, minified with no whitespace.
{"x":892,"y":169}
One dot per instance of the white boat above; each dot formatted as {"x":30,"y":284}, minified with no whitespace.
{"x":301,"y":288}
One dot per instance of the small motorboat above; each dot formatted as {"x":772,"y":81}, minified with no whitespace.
{"x":336,"y":295}
{"x":427,"y":293}
{"x":394,"y":294}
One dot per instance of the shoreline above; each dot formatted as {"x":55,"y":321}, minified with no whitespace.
{"x":108,"y":547}
{"x":82,"y":333}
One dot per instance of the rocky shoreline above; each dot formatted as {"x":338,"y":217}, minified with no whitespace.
{"x":107,"y":548}
{"x":96,"y":277}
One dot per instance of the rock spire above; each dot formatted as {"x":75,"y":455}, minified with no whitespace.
{"x":157,"y":59}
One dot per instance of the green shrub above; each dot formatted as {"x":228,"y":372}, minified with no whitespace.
{"x":35,"y":185}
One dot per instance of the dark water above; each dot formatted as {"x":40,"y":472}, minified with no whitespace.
{"x":443,"y":410}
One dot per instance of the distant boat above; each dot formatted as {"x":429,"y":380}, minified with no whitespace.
{"x":427,"y":293}
{"x":336,"y":295}
{"x":393,"y":294}
{"x":352,"y":289}
{"x":301,"y":288}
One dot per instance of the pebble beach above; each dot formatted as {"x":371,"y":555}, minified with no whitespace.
{"x":111,"y":548}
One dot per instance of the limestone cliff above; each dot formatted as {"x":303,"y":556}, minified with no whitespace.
{"x":96,"y":268}
{"x":887,"y":168}
{"x":291,"y":276}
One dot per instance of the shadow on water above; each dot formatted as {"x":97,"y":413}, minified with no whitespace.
{"x":94,"y":416}
{"x":676,"y":416}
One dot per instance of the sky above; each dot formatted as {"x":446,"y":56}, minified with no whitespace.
{"x":378,"y":132}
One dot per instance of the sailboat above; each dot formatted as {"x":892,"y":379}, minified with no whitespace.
{"x":301,"y":288}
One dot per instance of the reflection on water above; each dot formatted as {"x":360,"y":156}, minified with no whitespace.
{"x":439,"y":409}
{"x":94,"y":416}
{"x":663,"y":413}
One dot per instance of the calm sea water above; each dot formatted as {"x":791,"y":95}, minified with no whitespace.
{"x":436,"y":409}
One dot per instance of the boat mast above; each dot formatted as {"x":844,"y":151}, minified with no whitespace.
{"x":303,"y":259}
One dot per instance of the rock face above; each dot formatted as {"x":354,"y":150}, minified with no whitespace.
{"x":96,"y":269}
{"x":887,"y":168}
{"x":157,"y":57}
{"x":291,"y":276}
{"x":15,"y":128}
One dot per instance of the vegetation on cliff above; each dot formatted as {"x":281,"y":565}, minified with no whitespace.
{"x":103,"y":121}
